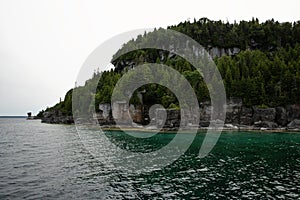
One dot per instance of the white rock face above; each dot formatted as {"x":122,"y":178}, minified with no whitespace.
{"x":105,"y":108}
{"x":219,"y":52}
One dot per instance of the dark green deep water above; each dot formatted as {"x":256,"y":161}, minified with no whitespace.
{"x":41,"y":161}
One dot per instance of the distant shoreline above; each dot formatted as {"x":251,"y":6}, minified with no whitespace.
{"x":13,"y":117}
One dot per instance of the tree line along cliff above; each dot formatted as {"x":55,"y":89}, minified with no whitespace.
{"x":259,"y":64}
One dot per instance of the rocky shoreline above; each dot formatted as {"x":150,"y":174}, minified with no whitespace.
{"x":199,"y":129}
{"x":56,"y":117}
{"x":238,"y":117}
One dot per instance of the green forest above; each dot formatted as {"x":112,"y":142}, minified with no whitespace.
{"x":265,"y":72}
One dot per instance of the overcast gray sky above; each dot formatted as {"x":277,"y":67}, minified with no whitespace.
{"x":43,"y":43}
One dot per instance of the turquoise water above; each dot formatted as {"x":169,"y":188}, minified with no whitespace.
{"x":40,"y":161}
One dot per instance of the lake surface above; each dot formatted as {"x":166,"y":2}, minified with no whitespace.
{"x":42,"y":161}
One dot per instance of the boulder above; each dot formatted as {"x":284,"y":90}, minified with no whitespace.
{"x":246,"y":116}
{"x":205,"y":111}
{"x":294,"y":124}
{"x":233,"y":109}
{"x":232,"y":117}
{"x":264,"y":114}
{"x":293,"y":112}
{"x":173,"y":114}
{"x":171,"y":117}
{"x":230,"y":126}
{"x":265,"y":124}
{"x":204,"y":123}
{"x":136,"y":114}
{"x":281,"y":116}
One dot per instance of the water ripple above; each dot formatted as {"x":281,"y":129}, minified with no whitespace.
{"x":41,"y":161}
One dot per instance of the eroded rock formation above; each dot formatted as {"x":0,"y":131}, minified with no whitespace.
{"x":236,"y":114}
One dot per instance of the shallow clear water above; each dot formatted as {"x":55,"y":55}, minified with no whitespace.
{"x":40,"y":161}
